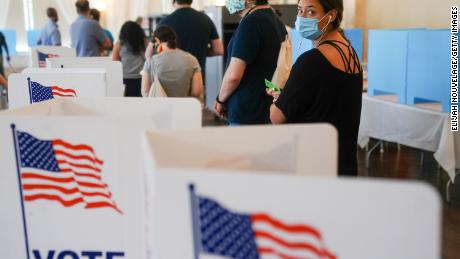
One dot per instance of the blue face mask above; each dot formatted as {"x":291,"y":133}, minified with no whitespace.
{"x":308,"y":27}
{"x":234,"y":6}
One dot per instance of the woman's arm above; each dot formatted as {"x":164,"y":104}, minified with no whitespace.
{"x":197,"y":85}
{"x":276,"y":115}
{"x":116,"y":52}
{"x":146,"y":83}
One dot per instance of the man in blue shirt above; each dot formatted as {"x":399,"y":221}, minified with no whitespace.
{"x":51,"y":36}
{"x":87,"y":35}
{"x":96,"y":15}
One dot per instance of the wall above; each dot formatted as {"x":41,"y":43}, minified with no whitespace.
{"x":378,"y":14}
{"x":367,"y":14}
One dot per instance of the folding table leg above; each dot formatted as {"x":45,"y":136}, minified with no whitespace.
{"x":422,"y":156}
{"x":369,"y":152}
{"x":449,"y":183}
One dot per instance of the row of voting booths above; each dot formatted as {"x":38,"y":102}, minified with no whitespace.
{"x":140,"y":178}
{"x":57,"y":72}
{"x":89,"y":174}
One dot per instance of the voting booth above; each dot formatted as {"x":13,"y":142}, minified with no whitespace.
{"x":71,"y":180}
{"x":34,"y":86}
{"x":114,"y":70}
{"x":428,"y":68}
{"x":309,"y":150}
{"x":171,"y":113}
{"x":38,"y":55}
{"x":234,"y":215}
{"x":387,"y":63}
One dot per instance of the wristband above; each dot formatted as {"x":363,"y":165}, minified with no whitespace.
{"x":218,"y":101}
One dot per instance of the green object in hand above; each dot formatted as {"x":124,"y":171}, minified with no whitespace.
{"x":272,"y":86}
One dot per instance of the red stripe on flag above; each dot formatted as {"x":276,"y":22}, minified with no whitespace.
{"x":288,"y":228}
{"x":53,"y":198}
{"x":96,"y":177}
{"x":266,"y":250}
{"x":92,"y":185}
{"x":82,"y":166}
{"x":63,"y":95}
{"x":50,"y":187}
{"x":92,"y":194}
{"x":291,"y":245}
{"x":59,"y":142}
{"x":43,"y":177}
{"x":95,"y":205}
{"x":64,"y":90}
{"x":78,"y":157}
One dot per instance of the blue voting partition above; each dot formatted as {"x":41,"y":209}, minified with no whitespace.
{"x":428,"y":67}
{"x":387,"y":63}
{"x":32,"y":37}
{"x":299,"y":45}
{"x":355,"y":36}
{"x":10,"y":36}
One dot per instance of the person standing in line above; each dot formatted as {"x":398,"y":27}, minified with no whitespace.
{"x":252,"y":57}
{"x":50,"y":36}
{"x":130,"y":50}
{"x":177,"y":71}
{"x":196,"y":33}
{"x":326,"y":83}
{"x":87,"y":35}
{"x":3,"y":45}
{"x":96,"y":15}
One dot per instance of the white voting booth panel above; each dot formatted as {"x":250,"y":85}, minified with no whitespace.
{"x":40,"y":54}
{"x":81,"y":186}
{"x":302,"y":149}
{"x":79,"y":166}
{"x":235,"y":215}
{"x":27,"y":88}
{"x":166,"y":113}
{"x":114,"y":70}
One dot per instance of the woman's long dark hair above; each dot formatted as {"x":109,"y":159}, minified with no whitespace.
{"x":132,"y":35}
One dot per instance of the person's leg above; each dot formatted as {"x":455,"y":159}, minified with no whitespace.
{"x":2,"y":72}
{"x":133,"y":87}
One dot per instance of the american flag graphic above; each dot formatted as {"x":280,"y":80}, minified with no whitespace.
{"x":58,"y":171}
{"x":40,"y":93}
{"x":42,"y":58}
{"x":248,"y":236}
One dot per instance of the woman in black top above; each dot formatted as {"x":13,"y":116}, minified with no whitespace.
{"x":325,"y":84}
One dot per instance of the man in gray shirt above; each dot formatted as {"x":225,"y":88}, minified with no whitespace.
{"x":50,"y":35}
{"x":87,"y":35}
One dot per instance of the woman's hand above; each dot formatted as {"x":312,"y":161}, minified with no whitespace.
{"x":273,"y":93}
{"x":220,"y":110}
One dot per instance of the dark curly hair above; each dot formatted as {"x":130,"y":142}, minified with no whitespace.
{"x":132,"y":35}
